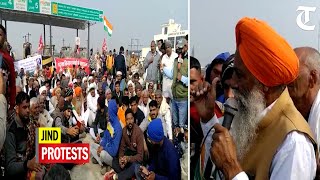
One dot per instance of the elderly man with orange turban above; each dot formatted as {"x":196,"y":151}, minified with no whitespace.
{"x":270,"y":138}
{"x":77,"y":102}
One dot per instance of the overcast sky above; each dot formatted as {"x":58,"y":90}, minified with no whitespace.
{"x":213,"y":23}
{"x":130,"y":19}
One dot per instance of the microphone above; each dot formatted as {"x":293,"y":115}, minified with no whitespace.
{"x":230,"y":110}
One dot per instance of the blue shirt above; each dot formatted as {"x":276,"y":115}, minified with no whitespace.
{"x":165,"y":163}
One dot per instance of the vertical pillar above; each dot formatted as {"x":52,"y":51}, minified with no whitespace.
{"x":88,"y":45}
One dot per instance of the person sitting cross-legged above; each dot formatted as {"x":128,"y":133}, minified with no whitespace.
{"x":109,"y":146}
{"x":131,"y":149}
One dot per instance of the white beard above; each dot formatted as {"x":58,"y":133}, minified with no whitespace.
{"x":244,"y":126}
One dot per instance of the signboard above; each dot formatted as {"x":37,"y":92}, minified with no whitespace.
{"x":62,"y":63}
{"x":20,"y":5}
{"x":177,"y":33}
{"x":75,"y":12}
{"x":33,"y":6}
{"x":53,"y":8}
{"x":6,"y":4}
{"x":78,"y":41}
{"x":45,"y":6}
{"x":28,"y":64}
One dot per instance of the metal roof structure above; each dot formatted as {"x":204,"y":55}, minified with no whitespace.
{"x":37,"y":18}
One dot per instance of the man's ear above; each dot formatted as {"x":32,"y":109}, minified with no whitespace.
{"x":313,"y":78}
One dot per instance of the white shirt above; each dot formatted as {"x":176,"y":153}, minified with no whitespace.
{"x":314,"y":119}
{"x":167,"y":81}
{"x":19,"y":82}
{"x":25,"y":90}
{"x":165,"y":114}
{"x":144,"y":108}
{"x":92,"y":102}
{"x":45,"y":119}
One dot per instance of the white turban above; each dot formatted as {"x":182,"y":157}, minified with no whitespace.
{"x":43,"y":88}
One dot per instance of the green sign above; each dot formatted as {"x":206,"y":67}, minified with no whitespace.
{"x":33,"y":6}
{"x":75,"y":12}
{"x":6,"y":4}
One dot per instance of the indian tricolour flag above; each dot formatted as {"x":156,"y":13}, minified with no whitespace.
{"x":107,"y":26}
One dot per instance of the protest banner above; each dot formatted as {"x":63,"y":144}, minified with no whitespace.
{"x":29,"y":64}
{"x":62,"y":63}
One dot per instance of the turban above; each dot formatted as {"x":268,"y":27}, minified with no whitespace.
{"x":78,"y":91}
{"x":84,"y":79}
{"x":155,"y":130}
{"x":265,"y":53}
{"x":43,"y":88}
{"x":130,"y":82}
{"x":91,"y":86}
{"x":119,"y":73}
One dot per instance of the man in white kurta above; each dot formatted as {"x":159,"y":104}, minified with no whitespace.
{"x":167,"y":61}
{"x":92,"y":99}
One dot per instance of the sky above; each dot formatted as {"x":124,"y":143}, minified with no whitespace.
{"x":130,"y":19}
{"x":212,"y":23}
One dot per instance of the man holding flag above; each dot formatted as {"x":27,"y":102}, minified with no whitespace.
{"x":104,"y":55}
{"x":40,"y":46}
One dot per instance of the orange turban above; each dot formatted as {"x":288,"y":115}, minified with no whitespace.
{"x":265,"y":53}
{"x":78,"y":91}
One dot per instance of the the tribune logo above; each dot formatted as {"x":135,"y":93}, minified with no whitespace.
{"x":302,"y":22}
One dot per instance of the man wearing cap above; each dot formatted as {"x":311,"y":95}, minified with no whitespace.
{"x":48,"y":105}
{"x":150,"y":64}
{"x":118,"y":78}
{"x":215,"y":70}
{"x":92,"y":99}
{"x":166,"y":162}
{"x":167,"y":61}
{"x":270,"y":138}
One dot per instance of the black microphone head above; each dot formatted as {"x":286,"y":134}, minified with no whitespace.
{"x":231,"y":106}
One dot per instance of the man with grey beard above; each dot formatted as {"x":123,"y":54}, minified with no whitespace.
{"x":270,"y":138}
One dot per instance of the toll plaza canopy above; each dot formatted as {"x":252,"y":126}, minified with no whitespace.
{"x":48,"y":13}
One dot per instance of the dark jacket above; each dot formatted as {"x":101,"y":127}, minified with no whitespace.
{"x":120,"y":65}
{"x":165,"y":163}
{"x":15,"y":147}
{"x":138,"y":117}
{"x":100,"y":120}
{"x":115,"y":96}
